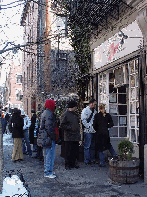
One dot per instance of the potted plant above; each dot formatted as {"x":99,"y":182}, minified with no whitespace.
{"x":124,"y":168}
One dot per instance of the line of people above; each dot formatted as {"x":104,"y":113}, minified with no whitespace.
{"x":21,"y":128}
{"x":95,"y":128}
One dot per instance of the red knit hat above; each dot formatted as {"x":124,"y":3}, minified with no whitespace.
{"x":50,"y":104}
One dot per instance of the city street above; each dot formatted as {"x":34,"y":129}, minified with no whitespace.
{"x":87,"y":181}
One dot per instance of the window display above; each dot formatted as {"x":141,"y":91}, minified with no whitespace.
{"x":113,"y":109}
{"x":132,"y":78}
{"x":118,"y":108}
{"x":134,"y":101}
{"x":122,"y":131}
{"x":131,"y":65}
{"x":133,"y":107}
{"x":113,"y":132}
{"x":122,"y":120}
{"x":115,"y":120}
{"x":133,"y":135}
{"x":113,"y":98}
{"x":132,"y":121}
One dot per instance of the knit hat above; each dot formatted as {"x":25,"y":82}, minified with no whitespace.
{"x":72,"y":104}
{"x":38,"y":112}
{"x":50,"y":104}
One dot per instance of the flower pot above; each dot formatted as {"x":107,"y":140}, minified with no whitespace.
{"x":124,"y":171}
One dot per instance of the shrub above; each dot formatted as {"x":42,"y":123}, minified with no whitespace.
{"x":125,"y":148}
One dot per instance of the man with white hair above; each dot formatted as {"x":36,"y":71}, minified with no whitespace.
{"x":26,"y":141}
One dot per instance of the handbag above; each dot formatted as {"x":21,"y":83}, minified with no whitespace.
{"x":44,"y":139}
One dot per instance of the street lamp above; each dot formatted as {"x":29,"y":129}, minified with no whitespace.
{"x":121,"y":34}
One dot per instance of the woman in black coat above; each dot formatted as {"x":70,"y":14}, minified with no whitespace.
{"x":103,"y":121}
{"x":16,"y":127}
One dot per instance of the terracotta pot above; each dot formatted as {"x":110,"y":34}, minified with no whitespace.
{"x":124,"y":171}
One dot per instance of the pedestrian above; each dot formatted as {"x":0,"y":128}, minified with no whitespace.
{"x":87,"y":117}
{"x":16,"y":128}
{"x":103,"y":121}
{"x":26,"y":140}
{"x":39,"y":149}
{"x":31,"y":130}
{"x":48,"y":123}
{"x":4,"y":119}
{"x":71,"y":128}
{"x":7,"y":117}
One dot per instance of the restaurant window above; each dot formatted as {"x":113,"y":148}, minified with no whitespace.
{"x":117,"y":107}
{"x":103,"y":88}
{"x":133,"y":101}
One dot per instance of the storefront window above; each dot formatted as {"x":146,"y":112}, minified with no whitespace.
{"x":103,"y":88}
{"x":113,"y":132}
{"x":122,"y":131}
{"x":117,"y":108}
{"x":133,"y":101}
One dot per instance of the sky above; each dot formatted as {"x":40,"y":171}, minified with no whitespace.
{"x":10,"y":29}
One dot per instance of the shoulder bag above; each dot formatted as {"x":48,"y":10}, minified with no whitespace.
{"x":44,"y":139}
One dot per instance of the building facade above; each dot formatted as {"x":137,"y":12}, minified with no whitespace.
{"x":48,"y":64}
{"x":13,"y":85}
{"x":29,"y":58}
{"x":118,"y":77}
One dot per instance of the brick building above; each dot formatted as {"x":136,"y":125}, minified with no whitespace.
{"x":13,"y":84}
{"x":29,"y":57}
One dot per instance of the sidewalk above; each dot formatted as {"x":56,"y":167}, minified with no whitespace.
{"x":87,"y":181}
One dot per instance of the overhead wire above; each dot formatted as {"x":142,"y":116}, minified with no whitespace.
{"x":13,"y":2}
{"x":11,"y":7}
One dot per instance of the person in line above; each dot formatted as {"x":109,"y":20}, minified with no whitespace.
{"x":103,"y":121}
{"x":16,"y":128}
{"x":87,"y":117}
{"x":3,"y":120}
{"x":48,"y":122}
{"x":26,"y":140}
{"x":7,"y":117}
{"x":31,"y":130}
{"x":71,"y":127}
{"x":39,"y":153}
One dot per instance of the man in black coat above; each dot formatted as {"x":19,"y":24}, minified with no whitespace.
{"x":103,"y":121}
{"x":71,"y":127}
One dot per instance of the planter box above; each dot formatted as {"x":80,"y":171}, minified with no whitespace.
{"x":124,"y":171}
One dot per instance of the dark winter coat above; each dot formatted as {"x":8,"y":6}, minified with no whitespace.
{"x":31,"y":129}
{"x":101,"y":125}
{"x":16,"y":126}
{"x":70,"y":125}
{"x":48,"y":122}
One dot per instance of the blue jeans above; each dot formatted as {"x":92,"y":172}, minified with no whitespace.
{"x":101,"y":155}
{"x":27,"y":142}
{"x":89,"y":147}
{"x":49,"y":158}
